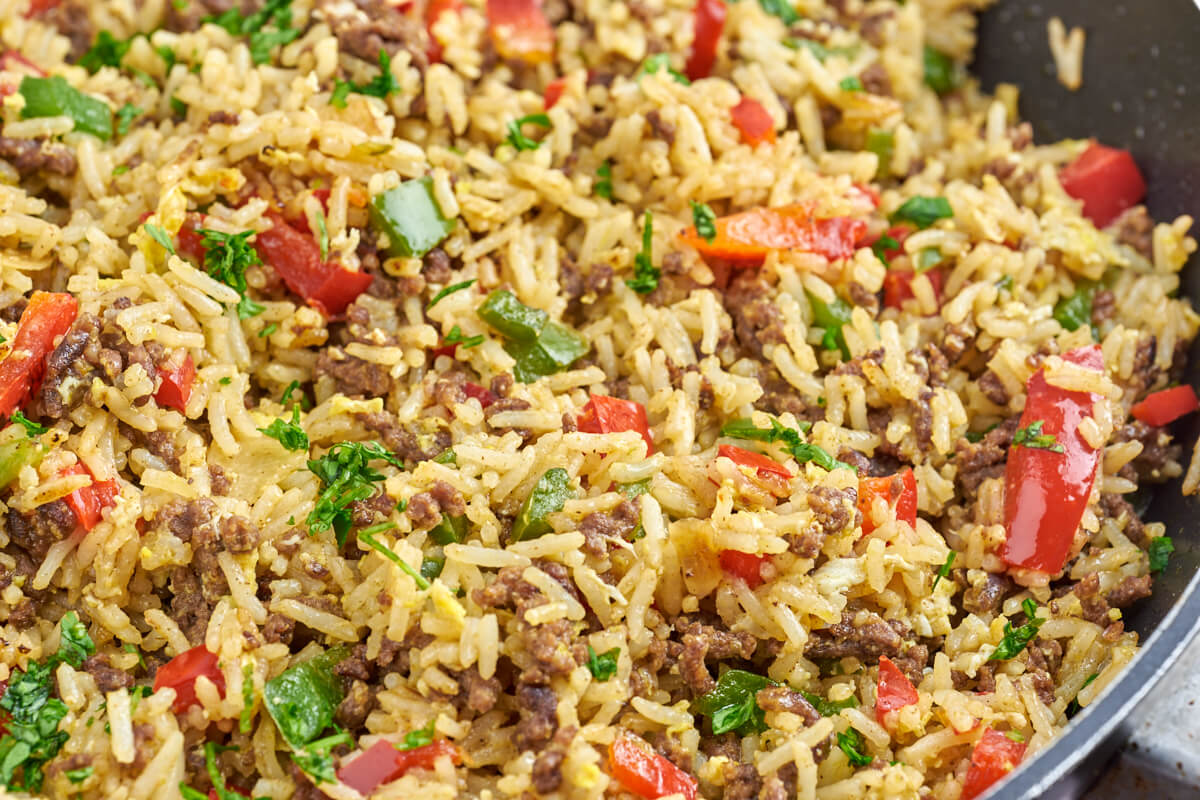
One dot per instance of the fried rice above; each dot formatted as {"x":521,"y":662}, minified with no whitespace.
{"x":394,"y":410}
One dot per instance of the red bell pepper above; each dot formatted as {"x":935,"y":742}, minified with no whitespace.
{"x":47,"y":317}
{"x":553,"y":93}
{"x":1046,"y":491}
{"x":180,"y":674}
{"x":520,"y":30}
{"x":899,"y":491}
{"x":39,"y":7}
{"x":897,"y":286}
{"x":433,"y":12}
{"x":1107,"y":180}
{"x":708,"y":19}
{"x":894,"y":690}
{"x":178,"y":377}
{"x":613,"y":415}
{"x":747,"y":237}
{"x":190,"y":243}
{"x":647,"y":775}
{"x":868,"y":192}
{"x":89,"y":502}
{"x":747,"y":566}
{"x":756,"y":461}
{"x":382,"y":763}
{"x":994,"y":756}
{"x":1163,"y":408}
{"x":480,"y":393}
{"x":753,"y":122}
{"x":326,"y":286}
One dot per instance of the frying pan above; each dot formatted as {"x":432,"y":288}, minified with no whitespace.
{"x":1141,"y":91}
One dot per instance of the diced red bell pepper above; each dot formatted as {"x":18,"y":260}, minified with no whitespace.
{"x":647,"y":775}
{"x":178,"y":377}
{"x":89,"y":502}
{"x":433,"y":12}
{"x":39,"y":7}
{"x":753,"y":122}
{"x":894,"y":690}
{"x":867,"y":191}
{"x":554,"y":92}
{"x":994,"y":756}
{"x":1107,"y":180}
{"x":520,"y":30}
{"x":180,"y":674}
{"x":326,"y":286}
{"x":190,"y":243}
{"x":382,"y":763}
{"x":1046,"y":491}
{"x":480,"y":393}
{"x":899,"y":491}
{"x":613,"y":415}
{"x":708,"y":19}
{"x":755,"y":461}
{"x":897,"y":286}
{"x":1163,"y":408}
{"x":747,"y":237}
{"x":747,"y":566}
{"x":48,"y":316}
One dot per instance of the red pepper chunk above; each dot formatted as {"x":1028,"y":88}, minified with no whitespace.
{"x":88,"y":503}
{"x":1163,"y":408}
{"x":433,"y":12}
{"x":382,"y":763}
{"x":178,"y":378}
{"x":753,"y":122}
{"x":746,"y":566}
{"x":520,"y":30}
{"x":647,"y":775}
{"x":756,"y":461}
{"x":613,"y":415}
{"x":480,"y":393}
{"x":39,"y":7}
{"x":180,"y":674}
{"x":894,"y":690}
{"x":708,"y":19}
{"x":554,"y":92}
{"x":326,"y":286}
{"x":1046,"y":491}
{"x":1107,"y":180}
{"x":994,"y":756}
{"x":898,"y":491}
{"x":897,"y":286}
{"x":747,"y":237}
{"x":48,"y":316}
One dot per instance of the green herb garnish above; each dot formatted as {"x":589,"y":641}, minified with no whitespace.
{"x":380,"y":86}
{"x":603,"y":185}
{"x":645,"y":274}
{"x":944,"y":569}
{"x":851,"y":743}
{"x":732,"y":705}
{"x":851,"y":83}
{"x":705,"y":221}
{"x":941,"y":74}
{"x":346,"y":476}
{"x":662,"y":61}
{"x":449,"y":290}
{"x":1015,"y":640}
{"x":1031,"y":436}
{"x":1159,"y":551}
{"x":32,"y":428}
{"x":288,"y":434}
{"x":923,"y":211}
{"x":604,"y":665}
{"x":519,"y":140}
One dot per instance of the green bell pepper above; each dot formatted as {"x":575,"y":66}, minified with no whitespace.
{"x":54,"y":97}
{"x":411,"y":218}
{"x":302,"y":698}
{"x":549,"y":495}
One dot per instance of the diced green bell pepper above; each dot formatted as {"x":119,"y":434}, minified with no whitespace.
{"x":54,"y":97}
{"x":831,"y":317}
{"x":549,"y":495}
{"x":303,"y":698}
{"x":557,"y":347}
{"x":15,"y":454}
{"x":450,"y":530}
{"x":508,"y":315}
{"x":411,"y":218}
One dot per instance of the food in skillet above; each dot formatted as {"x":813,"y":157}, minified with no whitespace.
{"x":560,"y":399}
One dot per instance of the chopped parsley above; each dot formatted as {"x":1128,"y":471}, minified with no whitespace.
{"x":733,"y":704}
{"x":246,"y":718}
{"x":455,"y":336}
{"x":977,"y":436}
{"x":603,"y":665}
{"x":79,"y":775}
{"x":317,"y":757}
{"x":792,"y":440}
{"x":1015,"y":736}
{"x":431,"y":567}
{"x":884,"y":245}
{"x":106,"y":51}
{"x":1015,"y":640}
{"x":125,"y":117}
{"x":851,"y":743}
{"x":1159,"y":551}
{"x":603,"y":185}
{"x":828,"y":708}
{"x":54,"y":97}
{"x":1073,"y":707}
{"x":447,"y":456}
{"x":292,"y":388}
{"x":944,"y":569}
{"x":922,"y":211}
{"x":782,"y":9}
{"x":226,"y":258}
{"x":519,"y":140}
{"x":1031,"y":436}
{"x":941,"y":74}
{"x":274,"y":12}
{"x":1005,"y":284}
{"x":120,"y":170}
{"x":289,"y":434}
{"x":1075,"y":310}
{"x":268,"y":330}
{"x":161,"y":236}
{"x":883,"y":145}
{"x":168,"y":56}
{"x":368,"y":535}
{"x":418,"y":738}
{"x":819,"y":50}
{"x":380,"y":86}
{"x":32,"y":428}
{"x":705,"y":221}
{"x":645,"y":274}
{"x":133,"y":649}
{"x":225,"y":381}
{"x":831,"y":317}
{"x":662,"y":61}
{"x":851,"y":83}
{"x":346,"y":477}
{"x":449,"y":290}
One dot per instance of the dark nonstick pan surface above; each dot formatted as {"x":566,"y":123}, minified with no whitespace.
{"x":1141,"y":91}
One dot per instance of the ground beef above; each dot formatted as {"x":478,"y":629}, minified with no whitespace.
{"x":662,"y":129}
{"x":239,"y":535}
{"x":1135,"y":228}
{"x":37,"y":530}
{"x":218,"y":480}
{"x":404,"y":441}
{"x":352,"y":712}
{"x":780,"y":397}
{"x":1095,"y":607}
{"x":875,"y":79}
{"x":1104,"y":306}
{"x":425,"y":509}
{"x":108,"y":678}
{"x":187,"y":16}
{"x":538,"y":707}
{"x":546,"y":775}
{"x":1042,"y":661}
{"x":436,"y":266}
{"x":781,"y":698}
{"x":502,"y":385}
{"x":601,"y":527}
{"x":703,"y":642}
{"x":1157,"y":448}
{"x":577,"y":284}
{"x":978,"y":461}
{"x":477,"y":693}
{"x":741,"y":780}
{"x":987,"y":596}
{"x":24,"y":614}
{"x":69,"y":368}
{"x":912,"y":662}
{"x":756,"y":319}
{"x":782,"y":785}
{"x":188,"y":608}
{"x":448,"y":391}
{"x":72,"y":21}
{"x":375,"y":26}
{"x":834,"y":508}
{"x":31,"y":155}
{"x":864,"y":298}
{"x":69,"y":763}
{"x":597,"y":126}
{"x":1117,"y":507}
{"x":874,"y":26}
{"x":305,"y":790}
{"x":867,"y":641}
{"x":353,"y":376}
{"x":993,"y":388}
{"x":1129,"y":590}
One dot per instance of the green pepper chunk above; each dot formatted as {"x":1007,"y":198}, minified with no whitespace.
{"x":831,"y":317}
{"x":450,"y":530}
{"x":54,"y":97}
{"x":302,"y":698}
{"x":15,"y":454}
{"x":549,"y":495}
{"x":557,"y":347}
{"x":508,"y":315}
{"x":1076,"y":310}
{"x":411,"y":218}
{"x":882,"y":144}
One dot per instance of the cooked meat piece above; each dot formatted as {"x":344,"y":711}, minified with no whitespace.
{"x":978,"y":461}
{"x":538,"y":706}
{"x":376,"y":25}
{"x":352,"y":376}
{"x":37,"y":530}
{"x":1129,"y":590}
{"x":868,"y":641}
{"x":239,"y":535}
{"x":993,"y":388}
{"x":1135,"y":228}
{"x":411,"y":444}
{"x":781,"y":698}
{"x":756,"y":319}
{"x":31,"y":155}
{"x":352,"y":712}
{"x":875,"y":79}
{"x":662,"y":129}
{"x":987,"y":596}
{"x":107,"y":678}
{"x":599,"y":528}
{"x":546,"y":775}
